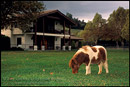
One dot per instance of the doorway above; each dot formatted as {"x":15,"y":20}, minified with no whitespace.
{"x":19,"y":42}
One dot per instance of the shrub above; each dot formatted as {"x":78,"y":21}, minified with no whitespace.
{"x":5,"y":42}
{"x":16,"y":49}
{"x":73,"y":44}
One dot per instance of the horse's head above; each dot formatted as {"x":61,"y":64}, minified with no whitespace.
{"x":74,"y":65}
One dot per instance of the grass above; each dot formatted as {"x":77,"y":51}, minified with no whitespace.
{"x":50,"y":68}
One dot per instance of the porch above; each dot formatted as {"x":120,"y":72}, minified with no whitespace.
{"x":49,"y":41}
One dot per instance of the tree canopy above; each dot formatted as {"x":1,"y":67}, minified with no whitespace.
{"x":80,"y":24}
{"x":116,"y":21}
{"x":116,"y":28}
{"x":21,"y":12}
{"x":125,"y":30}
{"x":93,"y":31}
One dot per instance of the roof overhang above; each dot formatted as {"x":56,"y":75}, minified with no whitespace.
{"x":52,"y":34}
{"x":74,"y":38}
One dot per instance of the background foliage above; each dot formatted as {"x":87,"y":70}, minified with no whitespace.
{"x":21,"y":12}
{"x":116,"y":28}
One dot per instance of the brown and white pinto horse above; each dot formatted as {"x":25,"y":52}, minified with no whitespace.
{"x":89,"y":55}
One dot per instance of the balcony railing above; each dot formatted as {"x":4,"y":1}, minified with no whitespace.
{"x":53,"y":31}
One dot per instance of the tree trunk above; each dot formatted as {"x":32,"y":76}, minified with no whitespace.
{"x":117,"y":45}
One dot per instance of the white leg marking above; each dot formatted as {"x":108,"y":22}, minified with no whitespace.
{"x":87,"y":69}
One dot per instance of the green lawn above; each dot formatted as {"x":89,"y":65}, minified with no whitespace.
{"x":50,"y":68}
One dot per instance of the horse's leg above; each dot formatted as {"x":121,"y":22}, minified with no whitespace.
{"x":106,"y":66}
{"x":100,"y":68}
{"x":88,"y":69}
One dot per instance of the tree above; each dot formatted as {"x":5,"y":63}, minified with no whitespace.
{"x":94,"y":30}
{"x":6,"y":10}
{"x":116,"y":22}
{"x":80,"y":24}
{"x":69,"y":15}
{"x":125,"y":30}
{"x":116,"y":28}
{"x":98,"y":30}
{"x":97,"y":19}
{"x":21,"y":12}
{"x":87,"y":32}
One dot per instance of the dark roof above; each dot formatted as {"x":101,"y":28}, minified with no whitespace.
{"x":47,"y":12}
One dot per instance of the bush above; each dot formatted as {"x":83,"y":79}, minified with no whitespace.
{"x":16,"y":49}
{"x":73,"y":44}
{"x":5,"y":42}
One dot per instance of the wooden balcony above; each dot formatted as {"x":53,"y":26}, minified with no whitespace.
{"x":49,"y":31}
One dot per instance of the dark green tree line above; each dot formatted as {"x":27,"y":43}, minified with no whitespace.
{"x":79,"y":24}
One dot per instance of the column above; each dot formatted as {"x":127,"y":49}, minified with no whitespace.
{"x":63,"y":48}
{"x":43,"y":46}
{"x":69,"y":37}
{"x":35,"y":37}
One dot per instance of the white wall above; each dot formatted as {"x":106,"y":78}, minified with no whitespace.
{"x":6,"y":32}
{"x":13,"y":41}
{"x":17,"y":31}
{"x":57,"y":42}
{"x":28,"y":41}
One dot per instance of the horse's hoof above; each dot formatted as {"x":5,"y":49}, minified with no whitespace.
{"x":99,"y":72}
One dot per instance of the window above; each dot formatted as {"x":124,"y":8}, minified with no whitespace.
{"x":18,"y":41}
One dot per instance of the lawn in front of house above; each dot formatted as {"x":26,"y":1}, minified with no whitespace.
{"x":51,"y":68}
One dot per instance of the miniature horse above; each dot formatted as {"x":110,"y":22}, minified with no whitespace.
{"x":89,"y":55}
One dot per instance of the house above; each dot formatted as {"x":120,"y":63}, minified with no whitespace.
{"x":49,"y":33}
